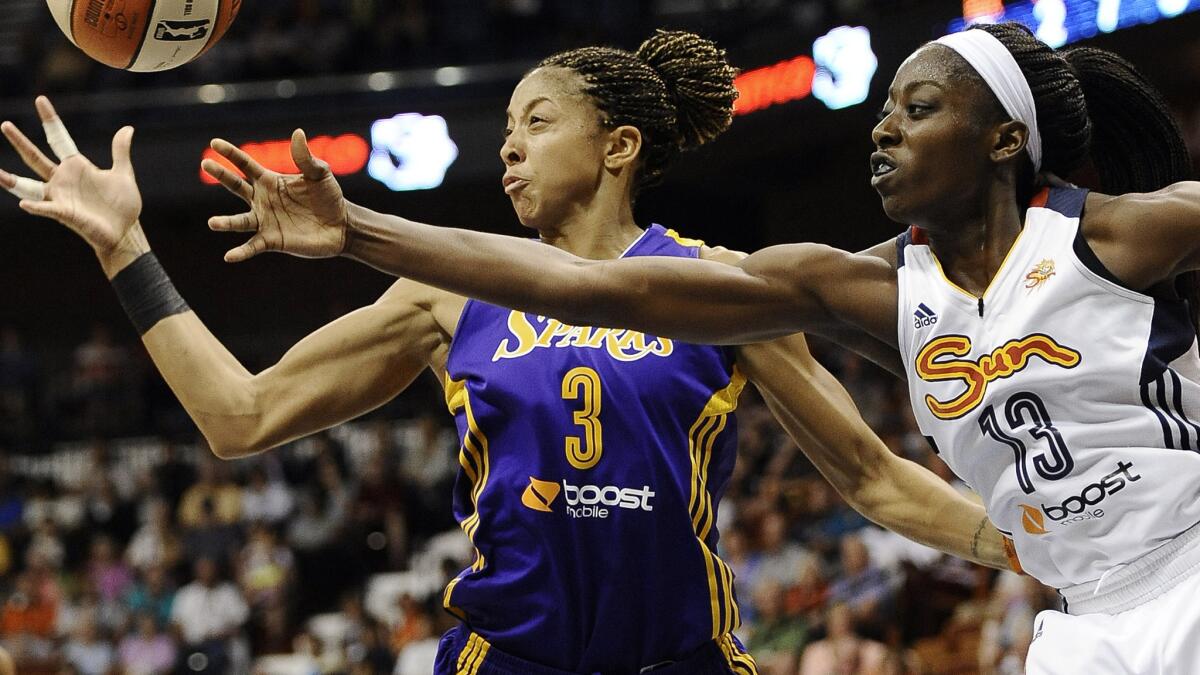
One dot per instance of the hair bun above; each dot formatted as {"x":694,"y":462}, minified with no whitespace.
{"x":699,"y":81}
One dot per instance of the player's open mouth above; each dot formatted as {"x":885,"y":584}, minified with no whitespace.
{"x":881,"y":165}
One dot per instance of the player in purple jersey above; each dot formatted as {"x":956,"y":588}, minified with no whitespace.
{"x":1009,"y":114}
{"x":586,"y":129}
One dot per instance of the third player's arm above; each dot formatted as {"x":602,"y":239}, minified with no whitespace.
{"x":894,"y":492}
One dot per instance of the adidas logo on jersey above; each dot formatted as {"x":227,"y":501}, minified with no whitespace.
{"x":923,"y":316}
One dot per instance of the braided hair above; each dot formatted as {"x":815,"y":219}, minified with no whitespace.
{"x":1094,"y":105}
{"x":677,"y":89}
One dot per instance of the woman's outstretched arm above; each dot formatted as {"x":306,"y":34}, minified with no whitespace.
{"x":774,"y":292}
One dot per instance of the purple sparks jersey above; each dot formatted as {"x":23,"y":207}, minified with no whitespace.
{"x":591,"y":465}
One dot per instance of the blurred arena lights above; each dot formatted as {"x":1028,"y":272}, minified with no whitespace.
{"x":346,"y":154}
{"x":838,"y":74}
{"x":411,"y":151}
{"x":1059,"y":22}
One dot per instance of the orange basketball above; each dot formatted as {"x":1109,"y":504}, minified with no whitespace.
{"x":144,"y":35}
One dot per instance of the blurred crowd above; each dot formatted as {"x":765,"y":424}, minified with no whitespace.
{"x":126,"y":547}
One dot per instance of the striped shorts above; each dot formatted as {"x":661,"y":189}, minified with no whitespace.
{"x":463,"y":652}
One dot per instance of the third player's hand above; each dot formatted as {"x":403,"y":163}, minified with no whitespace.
{"x":302,"y":214}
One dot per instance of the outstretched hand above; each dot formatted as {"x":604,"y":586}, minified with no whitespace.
{"x":302,"y":214}
{"x":100,"y":205}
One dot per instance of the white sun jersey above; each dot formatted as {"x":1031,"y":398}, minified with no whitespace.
{"x":1069,"y":402}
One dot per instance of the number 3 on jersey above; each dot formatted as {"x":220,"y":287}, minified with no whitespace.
{"x":1026,"y":409}
{"x":583,"y":384}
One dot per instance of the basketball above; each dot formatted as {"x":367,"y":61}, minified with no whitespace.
{"x":144,"y":35}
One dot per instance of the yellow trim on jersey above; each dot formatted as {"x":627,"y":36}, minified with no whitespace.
{"x":738,"y":661}
{"x":999,"y":270}
{"x":701,"y":439}
{"x":683,"y":241}
{"x":472,"y":655}
{"x":456,"y":393}
{"x":473,"y":457}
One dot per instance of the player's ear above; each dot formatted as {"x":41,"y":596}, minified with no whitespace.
{"x":624,"y":145}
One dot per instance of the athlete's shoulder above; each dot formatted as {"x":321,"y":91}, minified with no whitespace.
{"x":1145,"y":237}
{"x":887,"y":251}
{"x":722,"y":255}
{"x":443,"y":306}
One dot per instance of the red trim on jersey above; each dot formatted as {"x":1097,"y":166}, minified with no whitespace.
{"x":1039,"y":200}
{"x":917,"y":236}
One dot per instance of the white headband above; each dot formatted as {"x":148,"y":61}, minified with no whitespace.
{"x":996,"y":65}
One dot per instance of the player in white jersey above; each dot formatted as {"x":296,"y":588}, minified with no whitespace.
{"x":1050,"y":356}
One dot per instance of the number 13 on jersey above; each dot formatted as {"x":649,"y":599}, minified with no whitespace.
{"x":583,"y":384}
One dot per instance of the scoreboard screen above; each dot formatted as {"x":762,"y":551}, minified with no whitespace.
{"x":1058,"y":22}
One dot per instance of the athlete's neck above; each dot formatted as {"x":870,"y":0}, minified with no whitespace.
{"x":596,"y":233}
{"x":972,"y":246}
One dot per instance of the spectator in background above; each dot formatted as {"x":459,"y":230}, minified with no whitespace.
{"x":96,"y":383}
{"x":782,"y":559}
{"x":100,"y":464}
{"x":863,"y":588}
{"x":416,"y":655}
{"x":213,"y":488}
{"x":843,"y":651}
{"x":46,"y":544}
{"x":87,"y":651}
{"x":777,"y":638}
{"x":153,"y":594}
{"x":806,"y":598}
{"x":828,"y":518}
{"x":107,"y":572}
{"x":744,"y":562}
{"x":379,"y":510}
{"x":146,"y":650}
{"x":173,"y":475}
{"x":430,"y":461}
{"x":27,"y":620}
{"x":105,"y":511}
{"x":208,"y":537}
{"x":267,"y":497}
{"x":155,"y":544}
{"x":265,"y":568}
{"x":370,"y":655}
{"x":208,"y":614}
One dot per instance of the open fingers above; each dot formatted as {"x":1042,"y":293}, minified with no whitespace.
{"x":122,"y":145}
{"x":242,"y":222}
{"x":37,"y":161}
{"x":228,"y":179}
{"x":247,"y":250}
{"x":245,"y":163}
{"x":57,"y":136}
{"x":52,"y":210}
{"x":311,"y":167}
{"x":23,"y":188}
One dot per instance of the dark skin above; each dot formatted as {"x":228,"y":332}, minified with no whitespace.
{"x":570,"y":177}
{"x":971,"y":214}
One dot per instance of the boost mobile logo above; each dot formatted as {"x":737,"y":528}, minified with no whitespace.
{"x":540,"y":494}
{"x":586,"y":501}
{"x":1075,"y":509}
